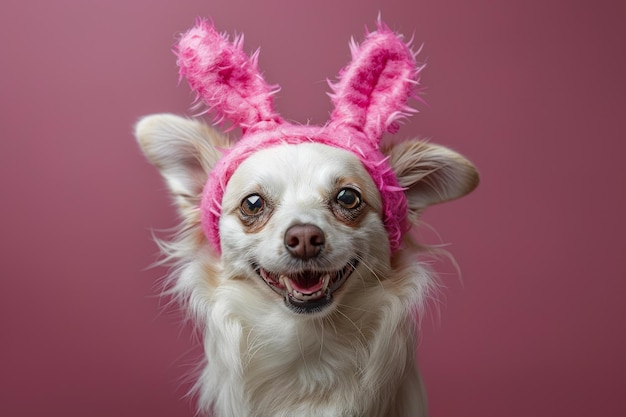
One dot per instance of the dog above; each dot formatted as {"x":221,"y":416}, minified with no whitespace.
{"x":293,"y":256}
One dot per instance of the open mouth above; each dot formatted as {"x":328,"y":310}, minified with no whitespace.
{"x":307,"y":291}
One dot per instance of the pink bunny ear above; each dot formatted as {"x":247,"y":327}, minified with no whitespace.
{"x":224,"y":77}
{"x":372,"y":91}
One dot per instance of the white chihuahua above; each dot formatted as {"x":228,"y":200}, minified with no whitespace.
{"x":307,"y":304}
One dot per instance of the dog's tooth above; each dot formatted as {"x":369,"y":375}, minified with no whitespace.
{"x":325,"y":281}
{"x":286,"y":283}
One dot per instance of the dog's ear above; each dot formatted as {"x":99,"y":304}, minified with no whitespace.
{"x":430,"y":174}
{"x":183,"y":150}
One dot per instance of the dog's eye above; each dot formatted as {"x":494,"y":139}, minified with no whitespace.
{"x":252,"y":205}
{"x":349,"y":198}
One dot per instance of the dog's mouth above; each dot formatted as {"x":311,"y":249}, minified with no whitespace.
{"x":307,"y":291}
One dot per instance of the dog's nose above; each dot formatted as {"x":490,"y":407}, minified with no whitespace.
{"x":304,"y":241}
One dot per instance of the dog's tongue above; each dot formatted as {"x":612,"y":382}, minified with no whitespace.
{"x":307,"y":283}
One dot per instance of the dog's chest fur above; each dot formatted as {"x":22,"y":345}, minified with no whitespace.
{"x":357,"y":362}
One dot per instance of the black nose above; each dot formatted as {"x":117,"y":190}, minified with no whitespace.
{"x":304,"y":241}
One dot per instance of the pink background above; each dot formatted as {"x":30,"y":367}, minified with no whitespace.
{"x":532,"y":91}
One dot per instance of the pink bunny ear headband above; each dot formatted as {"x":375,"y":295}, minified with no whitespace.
{"x":370,"y":97}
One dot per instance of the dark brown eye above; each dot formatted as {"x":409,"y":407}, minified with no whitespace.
{"x":349,"y":198}
{"x":252,"y":205}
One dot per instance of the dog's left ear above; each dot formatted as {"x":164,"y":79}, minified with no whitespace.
{"x":430,"y":174}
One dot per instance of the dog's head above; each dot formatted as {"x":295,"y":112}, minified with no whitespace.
{"x":305,"y":211}
{"x":304,"y":220}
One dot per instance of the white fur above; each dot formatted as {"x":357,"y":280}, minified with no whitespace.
{"x":356,"y":357}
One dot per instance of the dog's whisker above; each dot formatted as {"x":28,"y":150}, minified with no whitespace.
{"x":320,"y":337}
{"x":371,"y":270}
{"x":254,"y":344}
{"x":356,"y":327}
{"x":302,"y":354}
{"x":353,"y":308}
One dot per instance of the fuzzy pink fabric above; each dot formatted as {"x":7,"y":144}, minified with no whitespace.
{"x":370,"y":97}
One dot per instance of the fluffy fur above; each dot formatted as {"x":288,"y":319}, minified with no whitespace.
{"x":308,"y":304}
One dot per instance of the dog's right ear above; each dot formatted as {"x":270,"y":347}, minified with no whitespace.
{"x":183,"y":150}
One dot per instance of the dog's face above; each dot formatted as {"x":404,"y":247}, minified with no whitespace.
{"x":301,"y":223}
{"x":302,"y":220}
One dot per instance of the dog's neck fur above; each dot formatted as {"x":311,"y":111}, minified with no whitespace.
{"x":357,"y":361}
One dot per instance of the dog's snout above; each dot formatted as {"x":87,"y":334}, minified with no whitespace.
{"x":304,"y":241}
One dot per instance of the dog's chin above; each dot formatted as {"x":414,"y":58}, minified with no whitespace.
{"x":307,"y":291}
